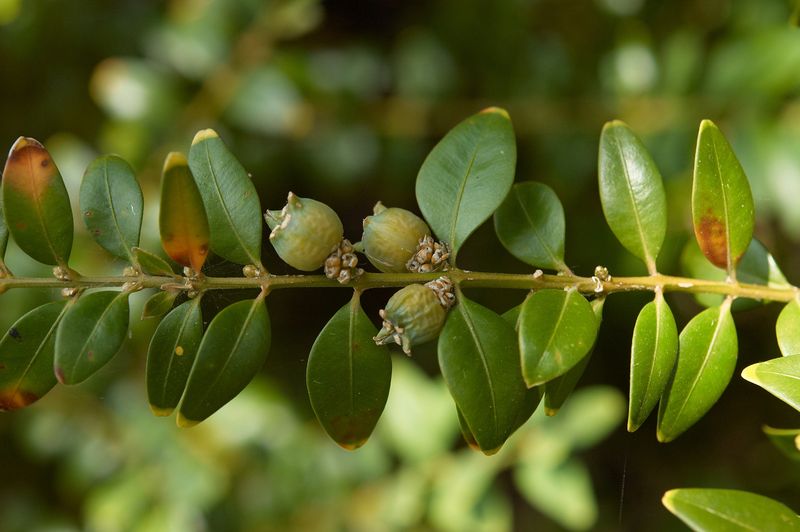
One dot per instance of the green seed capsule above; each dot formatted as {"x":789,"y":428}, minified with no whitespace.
{"x":391,"y":237}
{"x":304,"y":232}
{"x":412,"y":316}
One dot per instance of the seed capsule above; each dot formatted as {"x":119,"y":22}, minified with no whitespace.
{"x":391,"y":236}
{"x":304,"y":232}
{"x":413,"y":315}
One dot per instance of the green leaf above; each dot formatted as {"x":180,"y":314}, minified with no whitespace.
{"x":467,"y":175}
{"x":90,"y":334}
{"x":466,"y":432}
{"x":779,"y":376}
{"x":632,"y":192}
{"x":3,"y":235}
{"x":479,"y":362}
{"x":530,"y":225}
{"x":171,"y":355}
{"x":159,"y":303}
{"x":26,"y":356}
{"x":730,"y":510}
{"x":36,"y":204}
{"x":556,"y":330}
{"x":722,"y":205}
{"x":348,"y":376}
{"x":558,"y":390}
{"x":534,"y":396}
{"x":787,"y":329}
{"x":706,"y":360}
{"x":232,"y":352}
{"x":230,"y":199}
{"x":111,"y":205}
{"x":757,"y":266}
{"x":786,"y":440}
{"x":653,"y":353}
{"x":151,"y":264}
{"x":182,"y":218}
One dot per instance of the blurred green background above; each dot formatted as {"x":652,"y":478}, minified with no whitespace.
{"x":341,"y":101}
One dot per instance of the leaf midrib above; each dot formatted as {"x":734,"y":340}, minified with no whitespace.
{"x":724,"y":195}
{"x":39,"y":349}
{"x":557,"y":262}
{"x":89,"y":338}
{"x":178,"y":338}
{"x":482,"y":355}
{"x":459,"y":198}
{"x":637,"y":218}
{"x":110,"y":199}
{"x":39,"y":216}
{"x":718,"y":514}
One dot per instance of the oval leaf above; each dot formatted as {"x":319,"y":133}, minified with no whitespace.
{"x":716,"y":509}
{"x":230,"y":199}
{"x":779,"y":376}
{"x":722,"y":205}
{"x":556,"y":330}
{"x":558,"y":390}
{"x":90,"y":334}
{"x":232,"y":352}
{"x":653,"y":353}
{"x":111,"y":205}
{"x":152,"y":264}
{"x":787,"y":329}
{"x":530,"y":225}
{"x":467,"y":175}
{"x":26,"y":356}
{"x":159,"y":303}
{"x":479,"y":362}
{"x":171,"y":355}
{"x":182,"y":218}
{"x":36,"y":203}
{"x":348,"y":376}
{"x":632,"y":192}
{"x":706,"y":360}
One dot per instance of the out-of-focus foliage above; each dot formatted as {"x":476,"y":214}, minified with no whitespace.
{"x":341,"y":101}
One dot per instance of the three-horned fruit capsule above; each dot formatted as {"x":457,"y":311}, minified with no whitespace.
{"x":391,"y":236}
{"x":304,"y":232}
{"x":413,"y":315}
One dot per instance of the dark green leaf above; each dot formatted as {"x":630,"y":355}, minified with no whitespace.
{"x":786,"y":440}
{"x":36,"y":204}
{"x":722,"y":205}
{"x":530,"y":224}
{"x":466,"y":432}
{"x":779,"y":376}
{"x":706,"y":360}
{"x":559,"y":389}
{"x":159,"y":303}
{"x":467,"y":175}
{"x":556,"y":330}
{"x":479,"y":362}
{"x":729,"y":510}
{"x":632,"y":192}
{"x":90,"y":334}
{"x":534,"y":396}
{"x":26,"y":356}
{"x":787,"y":329}
{"x":151,"y":264}
{"x":3,"y":234}
{"x":653,"y":353}
{"x":348,"y":376}
{"x":171,"y":354}
{"x":111,"y":205}
{"x":232,"y":352}
{"x":230,"y":199}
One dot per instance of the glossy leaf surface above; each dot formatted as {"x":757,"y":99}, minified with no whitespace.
{"x":229,"y":197}
{"x":232,"y":351}
{"x":479,"y":362}
{"x":26,"y":357}
{"x":730,"y":510}
{"x":654,"y":350}
{"x":90,"y":334}
{"x":706,"y":360}
{"x":530,"y":224}
{"x":111,"y":205}
{"x":182,"y":219}
{"x":467,"y":175}
{"x":787,"y":329}
{"x":534,"y":395}
{"x":722,"y":204}
{"x":631,"y":192}
{"x":556,"y":330}
{"x":348,"y":376}
{"x":171,"y":355}
{"x":36,"y":205}
{"x":159,"y":303}
{"x":786,"y":440}
{"x":152,"y":264}
{"x":779,"y":376}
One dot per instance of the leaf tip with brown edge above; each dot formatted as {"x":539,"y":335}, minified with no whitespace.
{"x":204,"y":134}
{"x":16,"y":399}
{"x":184,"y":422}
